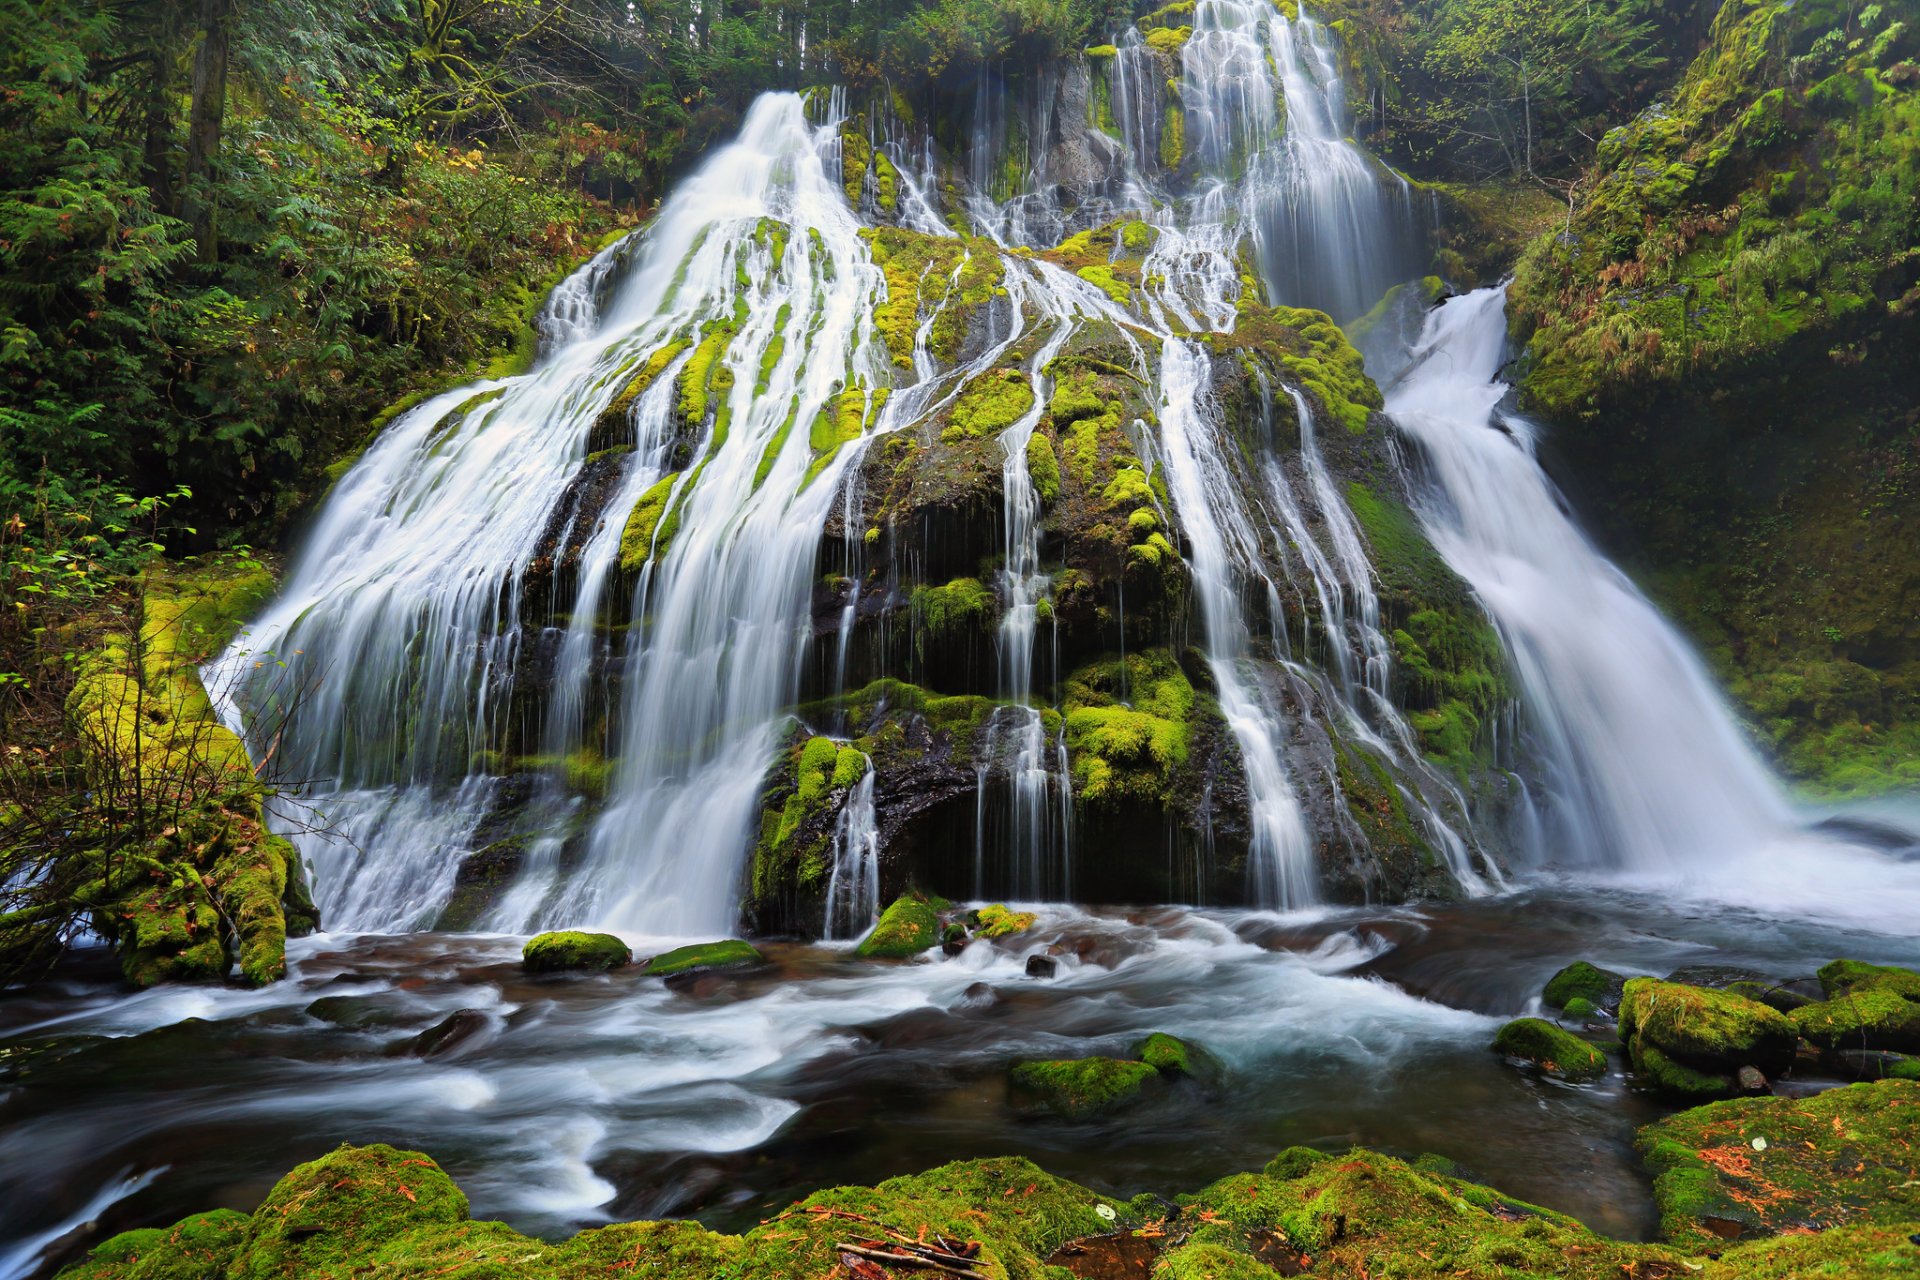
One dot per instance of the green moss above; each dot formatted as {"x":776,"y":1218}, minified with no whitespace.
{"x":641,"y":540}
{"x":213,"y":884}
{"x":990,"y":404}
{"x":730,"y":953}
{"x":1173,"y":133}
{"x":952,"y":277}
{"x":1043,"y":467}
{"x":1842,"y":976}
{"x":1691,"y":1040}
{"x":906,"y":928}
{"x":1580,"y":1007}
{"x":1102,"y":277}
{"x":996,"y":921}
{"x":1172,"y":1056}
{"x":570,"y":949}
{"x":195,"y":1248}
{"x":855,"y":154}
{"x":320,"y":1219}
{"x":1837,"y":1158}
{"x":1581,"y":980}
{"x":1552,"y":1050}
{"x":959,"y":608}
{"x":1081,"y":1088}
{"x":791,"y":856}
{"x":1123,"y":753}
{"x":1864,"y":1017}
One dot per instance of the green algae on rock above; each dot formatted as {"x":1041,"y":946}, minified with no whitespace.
{"x":1172,"y":1056}
{"x":564,"y":950}
{"x":730,"y":953}
{"x":1693,"y":1041}
{"x":1556,"y":1052}
{"x":1763,"y":1165}
{"x":906,"y":928}
{"x":1081,"y":1088}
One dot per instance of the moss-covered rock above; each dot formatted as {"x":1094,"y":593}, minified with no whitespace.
{"x":997,"y":921}
{"x":1692,"y":1041}
{"x":1863,"y":1017}
{"x":1600,"y":988}
{"x":212,"y":891}
{"x":1172,"y":1056}
{"x":1843,"y":976}
{"x":806,"y":788}
{"x":1356,"y":1215}
{"x":566,"y":950}
{"x":731,"y":953}
{"x":1081,"y":1088}
{"x":1765,"y":1165}
{"x":906,"y":928}
{"x":1558,"y":1053}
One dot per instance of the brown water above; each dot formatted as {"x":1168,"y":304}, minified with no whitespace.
{"x":573,"y":1100}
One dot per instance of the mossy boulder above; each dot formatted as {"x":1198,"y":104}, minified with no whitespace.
{"x":906,"y":928}
{"x":1764,"y":1165}
{"x":730,"y":953}
{"x":1172,"y":1056}
{"x":1692,"y":1041}
{"x":1081,"y":1088}
{"x":1864,"y":1017}
{"x":1843,"y":976}
{"x":565,"y":950}
{"x":325,"y":1216}
{"x":1557,"y":1053}
{"x":1600,"y":988}
{"x":997,"y":921}
{"x":377,"y":1211}
{"x":195,"y":1248}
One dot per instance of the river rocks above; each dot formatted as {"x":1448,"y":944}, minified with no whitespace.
{"x":906,"y":928}
{"x":570,"y":950}
{"x":996,"y":921}
{"x":1557,"y":1053}
{"x":1172,"y":1056}
{"x":1081,"y":1088}
{"x":1865,"y":1018}
{"x":1692,"y":1041}
{"x":1871,"y":1064}
{"x":449,"y":1034}
{"x":701,"y":957}
{"x":1843,"y":976}
{"x":1592,"y":987}
{"x":1763,"y":1165}
{"x":1042,"y":966}
{"x":365,"y":1211}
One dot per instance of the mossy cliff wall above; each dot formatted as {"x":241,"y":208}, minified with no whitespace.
{"x":1726,"y":335}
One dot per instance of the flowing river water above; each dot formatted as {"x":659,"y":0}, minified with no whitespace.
{"x":1656,"y":838}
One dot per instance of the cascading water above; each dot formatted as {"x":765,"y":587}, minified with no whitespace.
{"x":406,"y":604}
{"x":1650,"y":772}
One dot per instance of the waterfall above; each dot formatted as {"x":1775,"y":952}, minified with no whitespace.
{"x":405,"y":608}
{"x":853,"y":885}
{"x":1649,"y":770}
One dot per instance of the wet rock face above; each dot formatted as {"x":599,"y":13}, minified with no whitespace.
{"x":1693,"y":1041}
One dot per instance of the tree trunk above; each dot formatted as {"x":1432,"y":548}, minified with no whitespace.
{"x":204,"y":121}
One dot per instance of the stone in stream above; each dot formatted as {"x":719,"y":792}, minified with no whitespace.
{"x":704,"y":957}
{"x":1042,"y":966}
{"x":908,"y":927}
{"x":1871,"y":1064}
{"x":1596,"y":988}
{"x":570,"y":950}
{"x":1869,"y":1008}
{"x":1081,"y":1088}
{"x":1749,"y":1080}
{"x":1692,"y":1041}
{"x":1556,"y":1052}
{"x":448,"y":1034}
{"x":1172,"y":1056}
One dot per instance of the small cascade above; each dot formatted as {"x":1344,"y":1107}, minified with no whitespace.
{"x":1648,"y":771}
{"x":1226,"y":553}
{"x":853,"y":885}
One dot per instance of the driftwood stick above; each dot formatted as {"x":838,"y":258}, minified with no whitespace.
{"x":910,"y":1260}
